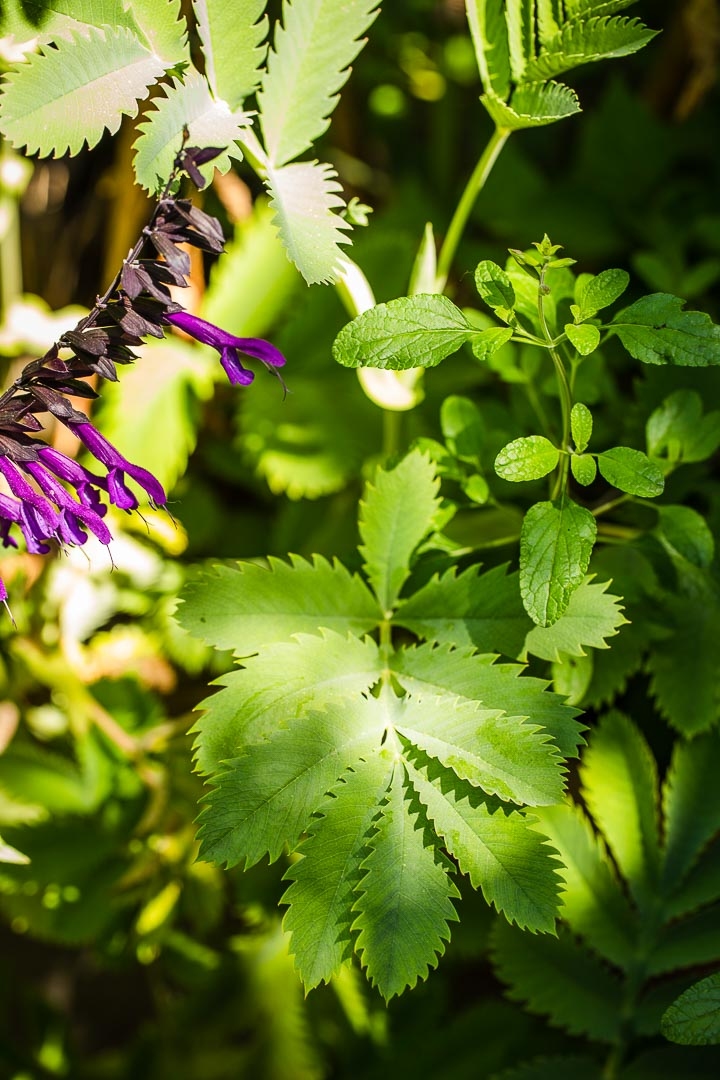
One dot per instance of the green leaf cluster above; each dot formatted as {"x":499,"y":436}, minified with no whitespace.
{"x":640,"y":902}
{"x":97,"y":61}
{"x":374,"y":757}
{"x":522,"y":45}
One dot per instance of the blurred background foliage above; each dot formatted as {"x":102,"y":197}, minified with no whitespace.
{"x":120,"y":955}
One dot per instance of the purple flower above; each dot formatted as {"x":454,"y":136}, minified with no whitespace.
{"x":228,"y":346}
{"x":117,"y":466}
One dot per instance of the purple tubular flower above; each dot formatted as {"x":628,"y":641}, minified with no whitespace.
{"x":228,"y":346}
{"x":72,"y":513}
{"x":116,"y":465}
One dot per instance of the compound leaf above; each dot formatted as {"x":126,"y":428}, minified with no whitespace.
{"x":263,"y":799}
{"x":656,"y":330}
{"x":324,"y":879}
{"x":66,"y":96}
{"x":579,"y":42}
{"x":556,"y":542}
{"x":620,"y":789}
{"x":560,"y":979}
{"x":593,"y":903}
{"x":278,"y":685}
{"x":245,"y":608}
{"x":411,"y":331}
{"x":231,"y":36}
{"x":592,"y":616}
{"x":396,"y":514}
{"x":405,"y":898}
{"x":510,"y":862}
{"x":306,"y":68}
{"x":305,"y":199}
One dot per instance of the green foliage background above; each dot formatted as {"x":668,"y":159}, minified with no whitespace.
{"x":124,"y":956}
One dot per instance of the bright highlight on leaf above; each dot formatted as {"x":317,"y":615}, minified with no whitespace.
{"x":555,"y":547}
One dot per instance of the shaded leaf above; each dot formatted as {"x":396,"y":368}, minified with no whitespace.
{"x":694,"y":1019}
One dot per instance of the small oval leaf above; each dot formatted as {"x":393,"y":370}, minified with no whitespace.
{"x":493,"y":285}
{"x":585,"y":338}
{"x":581,"y":423}
{"x":556,"y":542}
{"x":583,"y":468}
{"x":527,"y":459}
{"x":632,"y":472}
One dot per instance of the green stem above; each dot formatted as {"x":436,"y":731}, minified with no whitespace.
{"x":467,"y":200}
{"x":565,"y":395}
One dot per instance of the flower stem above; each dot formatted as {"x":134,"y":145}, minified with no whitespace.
{"x":467,"y":200}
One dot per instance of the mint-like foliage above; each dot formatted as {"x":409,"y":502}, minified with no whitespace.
{"x":656,"y":330}
{"x":373,"y":758}
{"x":694,"y":1018}
{"x":555,"y":547}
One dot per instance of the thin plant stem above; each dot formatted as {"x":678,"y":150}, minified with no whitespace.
{"x":565,"y":395}
{"x":467,"y":200}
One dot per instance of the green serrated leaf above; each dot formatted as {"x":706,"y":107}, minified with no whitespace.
{"x":701,"y":886}
{"x":584,"y":338}
{"x":581,"y":425}
{"x":469,"y":608}
{"x":396,"y":514}
{"x":305,"y":197}
{"x":592,"y":616}
{"x":685,"y":533}
{"x":412,"y":331}
{"x":619,"y":786}
{"x":678,"y":429}
{"x":68,"y":95}
{"x":532,"y":105}
{"x":494,"y":286}
{"x":490,"y":41}
{"x":185,"y":104}
{"x":558,"y":978}
{"x":321,"y":895}
{"x":163,"y":25}
{"x":264,"y":799}
{"x":246,"y":608}
{"x":510,"y":863}
{"x":283,"y":681}
{"x":232,"y":37}
{"x":598,"y":38}
{"x":593,"y":902}
{"x":503,"y":755}
{"x":599,"y":291}
{"x":405,"y":899}
{"x":427,"y":669}
{"x":656,"y":330}
{"x":694,"y":1018}
{"x":306,"y":68}
{"x":631,"y":471}
{"x":527,"y":458}
{"x":555,"y":546}
{"x":27,"y":19}
{"x":691,"y":803}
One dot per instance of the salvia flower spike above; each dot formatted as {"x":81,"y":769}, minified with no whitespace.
{"x":49,"y":497}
